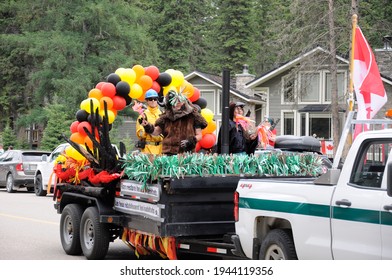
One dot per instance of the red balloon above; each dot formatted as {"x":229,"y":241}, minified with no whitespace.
{"x":108,"y":89}
{"x":152,"y":71}
{"x":119,"y":103}
{"x":155,"y":86}
{"x":74,"y":127}
{"x":198,"y":147}
{"x":99,"y":85}
{"x":81,"y":126}
{"x":208,"y":141}
{"x":195,"y":96}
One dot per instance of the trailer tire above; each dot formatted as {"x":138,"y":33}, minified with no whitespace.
{"x":94,"y":236}
{"x":70,"y":229}
{"x":278,"y":245}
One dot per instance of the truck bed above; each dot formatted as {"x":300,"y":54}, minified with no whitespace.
{"x":190,"y":206}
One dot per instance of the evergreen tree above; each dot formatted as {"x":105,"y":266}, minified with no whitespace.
{"x":232,"y":36}
{"x":56,"y":126}
{"x":9,"y":138}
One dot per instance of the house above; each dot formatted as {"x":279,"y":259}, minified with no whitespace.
{"x":297,"y":93}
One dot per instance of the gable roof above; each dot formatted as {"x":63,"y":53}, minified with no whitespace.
{"x":290,"y":64}
{"x":218,"y":82}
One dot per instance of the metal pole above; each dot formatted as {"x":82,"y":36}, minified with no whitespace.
{"x":225,"y":112}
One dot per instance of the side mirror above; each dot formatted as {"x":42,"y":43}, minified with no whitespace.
{"x":389,"y":179}
{"x":44,"y":158}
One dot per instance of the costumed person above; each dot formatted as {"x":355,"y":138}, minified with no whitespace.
{"x":266,"y":134}
{"x":240,"y":140}
{"x":181,"y":125}
{"x":148,"y":143}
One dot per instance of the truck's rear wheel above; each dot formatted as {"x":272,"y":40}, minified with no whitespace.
{"x":70,"y":229}
{"x":94,"y":236}
{"x":278,"y":245}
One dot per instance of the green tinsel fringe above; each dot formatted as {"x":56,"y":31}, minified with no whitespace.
{"x":143,"y":167}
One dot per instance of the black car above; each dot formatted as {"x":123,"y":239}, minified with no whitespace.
{"x":17,"y":168}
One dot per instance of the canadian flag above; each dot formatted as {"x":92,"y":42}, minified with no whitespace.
{"x":369,"y":89}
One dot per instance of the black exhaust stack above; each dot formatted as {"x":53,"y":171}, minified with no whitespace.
{"x":225,"y":112}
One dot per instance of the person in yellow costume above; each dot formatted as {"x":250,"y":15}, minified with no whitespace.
{"x":152,"y":144}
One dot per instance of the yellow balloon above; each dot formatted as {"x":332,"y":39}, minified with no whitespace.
{"x":211,"y":127}
{"x":73,"y":153}
{"x":136,"y":91}
{"x":111,"y":116}
{"x":85,"y":104}
{"x":128,"y":75}
{"x":186,"y":89}
{"x":168,"y":88}
{"x":207,"y":114}
{"x":177,"y":78}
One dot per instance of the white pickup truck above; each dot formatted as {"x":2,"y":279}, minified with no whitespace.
{"x":344,"y":214}
{"x":43,"y":173}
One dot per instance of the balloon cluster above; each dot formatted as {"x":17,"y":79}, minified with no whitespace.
{"x":126,"y":84}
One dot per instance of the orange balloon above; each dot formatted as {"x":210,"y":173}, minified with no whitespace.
{"x":108,"y":100}
{"x":88,"y":142}
{"x":95,"y":93}
{"x":145,"y":82}
{"x":77,"y":138}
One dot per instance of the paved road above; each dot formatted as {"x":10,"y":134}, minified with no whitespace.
{"x":29,"y":230}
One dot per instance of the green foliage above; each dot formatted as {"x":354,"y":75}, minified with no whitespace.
{"x":9,"y":138}
{"x":57,"y":125}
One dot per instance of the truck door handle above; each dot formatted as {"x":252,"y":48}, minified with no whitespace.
{"x":388,"y":207}
{"x":343,"y":202}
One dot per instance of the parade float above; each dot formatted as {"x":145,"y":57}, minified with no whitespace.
{"x":153,"y":203}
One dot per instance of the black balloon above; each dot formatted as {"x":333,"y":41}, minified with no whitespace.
{"x":201,"y":102}
{"x":123,"y":89}
{"x":128,"y":100}
{"x":113,"y":78}
{"x":164,"y":79}
{"x":82,"y":115}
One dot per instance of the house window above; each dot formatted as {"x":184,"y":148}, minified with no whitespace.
{"x":328,"y":86}
{"x":288,"y":123}
{"x":288,"y":83}
{"x":316,"y":124}
{"x":310,"y":87}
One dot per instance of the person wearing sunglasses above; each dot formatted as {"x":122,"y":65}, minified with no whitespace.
{"x":149,"y":143}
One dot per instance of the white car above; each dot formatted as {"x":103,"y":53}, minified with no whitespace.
{"x":45,"y":169}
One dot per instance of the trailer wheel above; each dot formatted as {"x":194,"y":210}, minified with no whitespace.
{"x":278,"y":245}
{"x":94,"y":236}
{"x":70,"y":229}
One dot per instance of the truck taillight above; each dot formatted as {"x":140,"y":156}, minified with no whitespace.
{"x":19,"y":167}
{"x":236,"y":201}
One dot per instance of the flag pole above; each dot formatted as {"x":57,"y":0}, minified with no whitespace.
{"x":351,"y":86}
{"x":346,"y":137}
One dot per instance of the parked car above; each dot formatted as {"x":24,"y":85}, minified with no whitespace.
{"x":44,"y":170}
{"x":17,"y":168}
